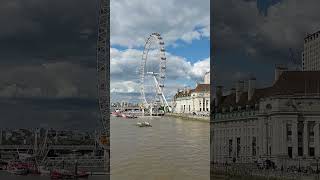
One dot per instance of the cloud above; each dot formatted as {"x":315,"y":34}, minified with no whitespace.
{"x":266,"y":37}
{"x":125,"y":66}
{"x":132,"y":21}
{"x":54,"y":80}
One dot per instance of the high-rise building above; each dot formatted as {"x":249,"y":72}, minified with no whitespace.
{"x":311,"y":52}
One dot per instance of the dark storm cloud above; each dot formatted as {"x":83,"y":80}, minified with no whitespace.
{"x":61,"y":79}
{"x":54,"y":113}
{"x":239,"y":26}
{"x":48,"y":63}
{"x":248,"y":40}
{"x":47,"y":28}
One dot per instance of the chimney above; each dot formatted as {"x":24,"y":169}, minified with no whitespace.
{"x":278,"y":71}
{"x":251,"y":87}
{"x":219,"y":95}
{"x":239,"y":89}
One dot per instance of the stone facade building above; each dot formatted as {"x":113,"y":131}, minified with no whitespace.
{"x":279,"y":123}
{"x":195,"y":100}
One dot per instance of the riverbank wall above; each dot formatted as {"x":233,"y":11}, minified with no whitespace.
{"x":249,"y":172}
{"x":189,"y":117}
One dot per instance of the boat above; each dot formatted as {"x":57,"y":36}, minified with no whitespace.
{"x":131,"y":116}
{"x":82,"y":174}
{"x":61,"y":173}
{"x":116,"y":114}
{"x":144,"y":124}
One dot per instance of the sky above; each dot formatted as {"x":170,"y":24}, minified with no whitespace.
{"x":48,"y":63}
{"x":184,"y":26}
{"x":48,"y":55}
{"x":48,"y":50}
{"x":253,"y":36}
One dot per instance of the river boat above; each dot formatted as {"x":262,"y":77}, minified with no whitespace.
{"x":144,"y":124}
{"x":82,"y":174}
{"x":131,"y":116}
{"x":61,"y":174}
{"x":116,"y":114}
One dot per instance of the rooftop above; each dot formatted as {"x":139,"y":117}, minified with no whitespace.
{"x":302,"y":83}
{"x":199,"y":88}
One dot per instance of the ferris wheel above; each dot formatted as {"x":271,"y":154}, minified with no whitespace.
{"x":153,"y":73}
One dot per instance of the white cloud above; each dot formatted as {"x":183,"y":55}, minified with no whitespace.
{"x":201,"y":67}
{"x":125,"y":65}
{"x":124,"y":87}
{"x":133,"y":20}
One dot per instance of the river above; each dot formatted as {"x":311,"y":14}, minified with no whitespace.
{"x":172,"y":149}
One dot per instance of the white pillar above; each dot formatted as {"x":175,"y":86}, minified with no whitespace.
{"x":316,"y":139}
{"x":305,"y":138}
{"x":294,"y":138}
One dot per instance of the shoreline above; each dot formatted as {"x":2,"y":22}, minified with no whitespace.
{"x":233,"y":172}
{"x":189,"y":117}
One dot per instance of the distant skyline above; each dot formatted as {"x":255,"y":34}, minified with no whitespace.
{"x":184,"y":26}
{"x":254,"y":36}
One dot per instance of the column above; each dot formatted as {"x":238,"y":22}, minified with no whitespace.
{"x":305,"y":138}
{"x":316,"y":139}
{"x":294,"y":138}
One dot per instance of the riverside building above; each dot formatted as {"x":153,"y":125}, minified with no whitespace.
{"x":195,"y":100}
{"x":278,"y":123}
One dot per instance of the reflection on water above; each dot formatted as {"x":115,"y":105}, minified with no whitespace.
{"x":170,"y":149}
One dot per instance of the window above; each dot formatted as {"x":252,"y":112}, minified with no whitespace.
{"x":290,"y":152}
{"x":230,"y":147}
{"x":254,"y":146}
{"x":289,"y":132}
{"x":300,"y":152}
{"x":238,"y":147}
{"x":311,"y":151}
